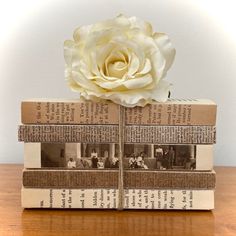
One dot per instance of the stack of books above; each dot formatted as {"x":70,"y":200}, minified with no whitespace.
{"x":71,"y":154}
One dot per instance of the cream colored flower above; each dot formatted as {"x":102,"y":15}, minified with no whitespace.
{"x":121,"y":60}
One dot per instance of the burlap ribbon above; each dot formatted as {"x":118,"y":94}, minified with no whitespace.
{"x":121,"y":154}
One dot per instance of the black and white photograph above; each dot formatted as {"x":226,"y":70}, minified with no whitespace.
{"x":79,"y":155}
{"x":105,"y":156}
{"x":160,"y":157}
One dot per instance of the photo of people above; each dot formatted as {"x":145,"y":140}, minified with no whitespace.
{"x":175,"y":157}
{"x":79,"y":155}
{"x":160,"y":157}
{"x":105,"y":156}
{"x":71,"y":163}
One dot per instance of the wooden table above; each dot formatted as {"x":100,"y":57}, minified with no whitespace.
{"x":16,"y":221}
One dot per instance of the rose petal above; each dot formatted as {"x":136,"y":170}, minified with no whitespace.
{"x":105,"y":78}
{"x":97,"y":38}
{"x":111,"y":59}
{"x":137,"y":83}
{"x":83,"y":82}
{"x":120,"y":21}
{"x":132,"y":46}
{"x":102,"y":53}
{"x":82,"y":67}
{"x":158,"y":65}
{"x":131,"y":98}
{"x":115,"y":85}
{"x":144,"y":26}
{"x":165,"y":46}
{"x":92,"y":62}
{"x":71,"y":52}
{"x":147,"y":67}
{"x":81,"y":33}
{"x":161,"y":91}
{"x":117,"y":69}
{"x":133,"y":65}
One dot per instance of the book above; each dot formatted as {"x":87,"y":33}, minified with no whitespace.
{"x":172,"y":112}
{"x":108,"y":199}
{"x":105,"y":155}
{"x":110,"y":134}
{"x":133,"y":179}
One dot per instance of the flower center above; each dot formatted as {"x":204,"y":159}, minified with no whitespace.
{"x":117,"y":69}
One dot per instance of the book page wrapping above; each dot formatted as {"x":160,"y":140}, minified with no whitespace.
{"x":108,"y":199}
{"x":142,"y":179}
{"x":172,"y":112}
{"x":110,"y":134}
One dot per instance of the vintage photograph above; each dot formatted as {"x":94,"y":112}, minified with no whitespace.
{"x":105,"y":156}
{"x":79,"y":155}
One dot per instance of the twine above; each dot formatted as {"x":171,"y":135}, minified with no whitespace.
{"x":121,"y":154}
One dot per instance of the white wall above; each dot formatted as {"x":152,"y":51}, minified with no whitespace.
{"x":32,"y":64}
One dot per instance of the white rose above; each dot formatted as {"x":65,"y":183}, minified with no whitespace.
{"x":121,"y":60}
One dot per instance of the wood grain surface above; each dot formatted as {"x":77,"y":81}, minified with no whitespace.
{"x":16,"y":221}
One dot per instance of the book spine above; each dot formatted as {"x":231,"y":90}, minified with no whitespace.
{"x":109,"y":134}
{"x":109,"y":179}
{"x":77,"y":112}
{"x":108,"y":199}
{"x":33,"y":156}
